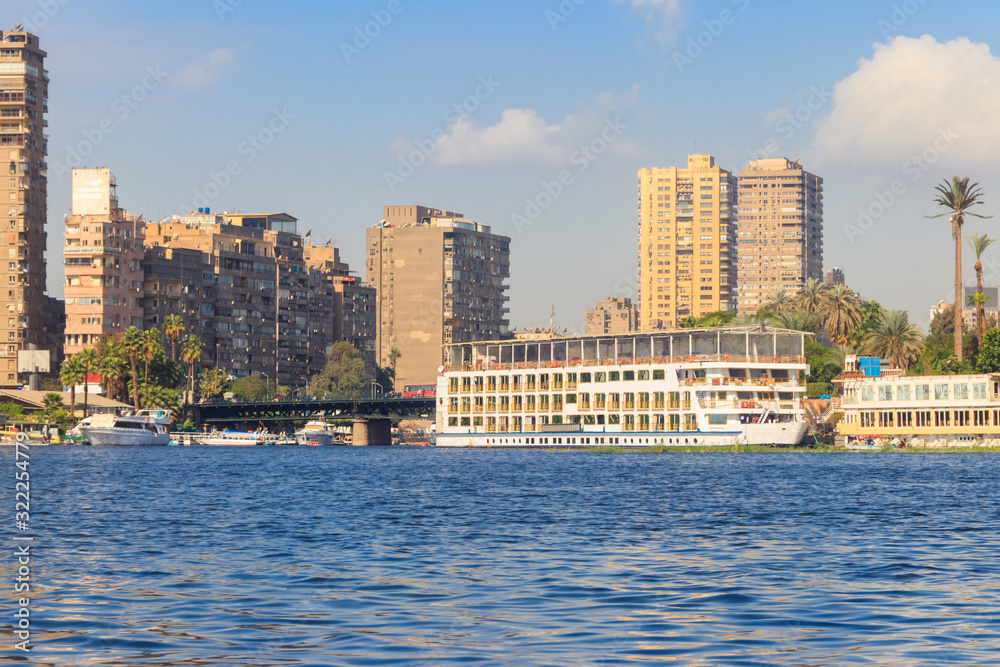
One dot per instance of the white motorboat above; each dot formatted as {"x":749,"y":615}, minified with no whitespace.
{"x":232,"y":439}
{"x":146,"y":427}
{"x":318,"y":433}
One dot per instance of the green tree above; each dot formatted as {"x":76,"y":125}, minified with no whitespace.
{"x":71,"y":373}
{"x":894,"y":338}
{"x":812,"y":296}
{"x":213,"y":382}
{"x":155,"y":396}
{"x":386,"y":377}
{"x":344,"y":374}
{"x":133,"y":346}
{"x":173,"y":327}
{"x":152,"y":345}
{"x":841,"y":312}
{"x":688,"y":322}
{"x":394,"y":354}
{"x":12,"y":410}
{"x":112,"y":365}
{"x":958,"y":197}
{"x":779,"y":300}
{"x":191,"y":354}
{"x":989,"y":353}
{"x":979,"y":243}
{"x":250,"y":387}
{"x":799,"y":320}
{"x":87,"y":359}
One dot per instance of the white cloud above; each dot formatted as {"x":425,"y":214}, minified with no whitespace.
{"x":666,"y":12}
{"x":524,"y":137}
{"x":202,"y":75}
{"x":897,"y":103}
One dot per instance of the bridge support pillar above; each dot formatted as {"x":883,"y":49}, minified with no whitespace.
{"x":371,"y":432}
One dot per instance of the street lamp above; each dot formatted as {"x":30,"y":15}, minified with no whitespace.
{"x":267,"y":383}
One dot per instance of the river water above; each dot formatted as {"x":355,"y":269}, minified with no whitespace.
{"x":418,"y":556}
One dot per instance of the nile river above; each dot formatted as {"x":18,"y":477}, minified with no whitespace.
{"x":417,"y":556}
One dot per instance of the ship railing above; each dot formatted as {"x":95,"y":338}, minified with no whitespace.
{"x":627,"y":361}
{"x":742,"y":382}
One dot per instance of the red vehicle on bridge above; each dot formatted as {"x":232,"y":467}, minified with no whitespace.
{"x":419,"y":391}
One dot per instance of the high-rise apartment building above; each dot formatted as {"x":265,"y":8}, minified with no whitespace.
{"x":780,"y":230}
{"x":24,"y":97}
{"x":439,"y":279}
{"x":241,"y":283}
{"x":687,"y":249}
{"x":351,"y":303}
{"x":612,"y":316}
{"x":103,"y":264}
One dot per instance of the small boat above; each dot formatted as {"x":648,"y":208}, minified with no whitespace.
{"x":232,"y":439}
{"x":146,"y":427}
{"x":317,"y":433}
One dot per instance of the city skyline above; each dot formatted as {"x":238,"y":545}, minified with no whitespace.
{"x":545,"y":154}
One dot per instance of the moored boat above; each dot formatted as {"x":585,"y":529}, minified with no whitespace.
{"x":231,"y":439}
{"x":703,"y":387}
{"x":146,"y":427}
{"x":318,"y":433}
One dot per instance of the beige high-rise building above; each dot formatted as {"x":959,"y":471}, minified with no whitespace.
{"x":103,"y":265}
{"x":612,"y":316}
{"x":24,"y":102}
{"x":439,"y":279}
{"x":780,"y":230}
{"x":687,"y":249}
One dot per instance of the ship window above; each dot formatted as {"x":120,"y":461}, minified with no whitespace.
{"x":614,"y":376}
{"x":643,"y":375}
{"x":600,"y":377}
{"x":961,"y":391}
{"x":659,"y":375}
{"x":585,"y":377}
{"x":716,"y":420}
{"x":903,"y":392}
{"x":922,"y":392}
{"x":737,"y":372}
{"x":941,"y":392}
{"x":784,"y":395}
{"x":744,"y":395}
{"x":629,"y":376}
{"x":979,"y":390}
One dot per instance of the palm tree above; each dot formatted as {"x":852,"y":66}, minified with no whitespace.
{"x":151,"y":346}
{"x":958,"y":197}
{"x":173,"y":327}
{"x":894,"y":338}
{"x":394,"y":354}
{"x":779,"y":300}
{"x":133,"y":346}
{"x":70,"y":374}
{"x":841,"y":312}
{"x":111,"y":364}
{"x":812,"y":296}
{"x":87,"y":358}
{"x":52,"y":401}
{"x":979,"y":243}
{"x":191,"y":354}
{"x":799,"y":320}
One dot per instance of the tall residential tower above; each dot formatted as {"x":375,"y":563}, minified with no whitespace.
{"x":780,"y":230}
{"x":24,"y":102}
{"x":687,"y":230}
{"x":439,"y":279}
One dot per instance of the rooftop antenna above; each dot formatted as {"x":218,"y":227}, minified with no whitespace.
{"x":552,"y":319}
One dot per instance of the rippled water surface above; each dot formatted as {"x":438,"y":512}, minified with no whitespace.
{"x":370,"y":556}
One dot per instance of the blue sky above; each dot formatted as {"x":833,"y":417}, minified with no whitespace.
{"x":242,"y":105}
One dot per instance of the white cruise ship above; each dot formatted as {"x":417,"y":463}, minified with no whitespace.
{"x":725,"y":386}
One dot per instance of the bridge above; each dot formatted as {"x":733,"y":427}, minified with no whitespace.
{"x":370,"y":415}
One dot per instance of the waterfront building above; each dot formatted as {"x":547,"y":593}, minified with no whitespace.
{"x":345,"y":300}
{"x":992,"y":306}
{"x":241,"y":283}
{"x":103,"y":262}
{"x":687,"y":242}
{"x":780,"y":241}
{"x":942,"y":410}
{"x":440,"y":279}
{"x":684,"y":387}
{"x":612,"y":316}
{"x":24,"y":100}
{"x":780,"y":230}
